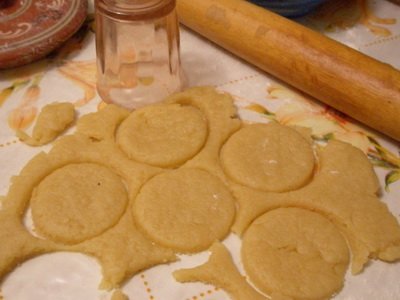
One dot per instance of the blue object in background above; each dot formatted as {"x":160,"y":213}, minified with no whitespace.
{"x":289,"y":8}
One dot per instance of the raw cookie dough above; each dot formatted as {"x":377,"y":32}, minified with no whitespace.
{"x":221,"y":115}
{"x":268,"y":157}
{"x":77,"y":202}
{"x":295,"y":253}
{"x":17,"y":244}
{"x":52,"y":120}
{"x":122,"y":249}
{"x":102,"y":124}
{"x":344,"y":190}
{"x":119,"y":295}
{"x":221,"y":272}
{"x":185,"y":209}
{"x":163,"y":135}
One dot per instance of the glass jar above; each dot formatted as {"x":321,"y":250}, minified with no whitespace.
{"x":137,"y":45}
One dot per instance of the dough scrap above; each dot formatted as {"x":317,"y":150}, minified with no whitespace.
{"x":102,"y":124}
{"x":163,"y":135}
{"x":221,"y":272}
{"x":268,"y":157}
{"x":185,"y":209}
{"x":369,"y":227}
{"x":52,"y":120}
{"x":119,"y":295}
{"x":77,"y":202}
{"x":295,"y":253}
{"x":17,"y":244}
{"x":221,"y":115}
{"x":124,"y":251}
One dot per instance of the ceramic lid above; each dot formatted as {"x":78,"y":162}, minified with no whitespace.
{"x":30,"y":29}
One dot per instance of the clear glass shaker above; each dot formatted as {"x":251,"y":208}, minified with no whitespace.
{"x":137,"y":45}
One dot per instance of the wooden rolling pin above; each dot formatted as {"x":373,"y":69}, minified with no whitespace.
{"x":353,"y":83}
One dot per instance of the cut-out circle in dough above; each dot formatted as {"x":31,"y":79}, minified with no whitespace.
{"x":163,"y":135}
{"x":78,"y":202}
{"x":185,"y":209}
{"x":268,"y":157}
{"x":296,"y":253}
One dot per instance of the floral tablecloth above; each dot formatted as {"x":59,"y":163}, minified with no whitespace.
{"x":372,"y":27}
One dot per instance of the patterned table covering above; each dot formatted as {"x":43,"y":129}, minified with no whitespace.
{"x":372,"y":27}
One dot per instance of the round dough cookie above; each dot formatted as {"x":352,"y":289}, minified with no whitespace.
{"x":163,"y":135}
{"x":78,"y":202}
{"x":268,"y":157}
{"x":185,"y":209}
{"x":296,"y":253}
